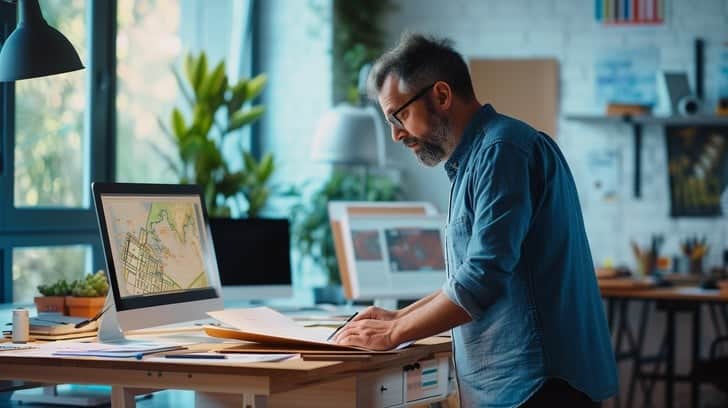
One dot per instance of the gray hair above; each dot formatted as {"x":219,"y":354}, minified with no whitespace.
{"x":419,"y":61}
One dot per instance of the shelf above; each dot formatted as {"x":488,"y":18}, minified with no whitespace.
{"x":701,"y":120}
{"x":638,"y":121}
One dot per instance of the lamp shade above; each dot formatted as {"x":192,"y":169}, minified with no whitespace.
{"x":348,"y":135}
{"x":35,"y":49}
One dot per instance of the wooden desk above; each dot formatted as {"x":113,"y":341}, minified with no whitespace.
{"x":377,"y":381}
{"x":671,"y":300}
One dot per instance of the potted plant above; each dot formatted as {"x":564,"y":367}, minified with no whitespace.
{"x":88,"y":295}
{"x":54,"y":297}
{"x":201,"y":138}
{"x":311,"y":232}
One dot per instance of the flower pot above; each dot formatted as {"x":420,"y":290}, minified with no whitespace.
{"x":50,"y":304}
{"x":84,"y":306}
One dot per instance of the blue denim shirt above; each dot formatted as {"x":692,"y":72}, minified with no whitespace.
{"x":519,"y":264}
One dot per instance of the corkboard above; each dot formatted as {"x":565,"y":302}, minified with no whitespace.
{"x":526,"y":89}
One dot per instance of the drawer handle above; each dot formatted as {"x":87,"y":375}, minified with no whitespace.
{"x":382,"y":389}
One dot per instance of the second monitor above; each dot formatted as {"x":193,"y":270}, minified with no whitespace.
{"x":253,"y":257}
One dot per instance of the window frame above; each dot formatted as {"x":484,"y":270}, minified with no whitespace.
{"x":48,"y":226}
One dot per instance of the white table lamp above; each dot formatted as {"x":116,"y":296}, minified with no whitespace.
{"x":349,"y":135}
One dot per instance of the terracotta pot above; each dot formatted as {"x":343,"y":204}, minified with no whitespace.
{"x":84,"y":306}
{"x":52,"y":304}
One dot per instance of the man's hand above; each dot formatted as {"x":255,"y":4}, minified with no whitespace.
{"x":369,"y":333}
{"x":376,"y":313}
{"x":379,"y":329}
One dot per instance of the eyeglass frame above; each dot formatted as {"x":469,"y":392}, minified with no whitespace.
{"x":392,"y":118}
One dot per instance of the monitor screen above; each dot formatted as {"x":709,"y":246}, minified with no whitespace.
{"x":157,"y":244}
{"x":252,"y":251}
{"x":393,"y":256}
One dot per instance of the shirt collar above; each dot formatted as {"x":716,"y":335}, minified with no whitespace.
{"x":473,"y":128}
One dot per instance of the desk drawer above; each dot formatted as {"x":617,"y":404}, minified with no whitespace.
{"x":382,"y":389}
{"x":426,"y":379}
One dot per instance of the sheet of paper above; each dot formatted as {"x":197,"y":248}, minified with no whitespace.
{"x":267,"y":322}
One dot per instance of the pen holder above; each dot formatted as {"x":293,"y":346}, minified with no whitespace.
{"x":646,"y":263}
{"x":696,"y":266}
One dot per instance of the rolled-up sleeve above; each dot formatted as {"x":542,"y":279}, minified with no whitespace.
{"x":502,"y":210}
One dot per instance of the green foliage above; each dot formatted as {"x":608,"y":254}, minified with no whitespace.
{"x":200,"y":137}
{"x":91,"y":286}
{"x":312,"y":234}
{"x":358,"y":39}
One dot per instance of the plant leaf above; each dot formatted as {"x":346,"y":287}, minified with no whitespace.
{"x":210,"y":83}
{"x":199,"y":74}
{"x":240,"y":119}
{"x":238,"y":97}
{"x":255,"y":86}
{"x":265,"y":168}
{"x":250,"y":163}
{"x":178,"y":124}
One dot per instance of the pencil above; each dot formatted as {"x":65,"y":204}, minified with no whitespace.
{"x":331,"y":336}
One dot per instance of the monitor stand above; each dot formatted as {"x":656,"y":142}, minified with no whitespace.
{"x":109,"y":330}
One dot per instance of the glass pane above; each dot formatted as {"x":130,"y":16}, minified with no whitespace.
{"x":146,"y":88}
{"x":33,"y":266}
{"x":49,"y":122}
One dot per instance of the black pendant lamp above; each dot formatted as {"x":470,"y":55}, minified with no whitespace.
{"x":35,"y":49}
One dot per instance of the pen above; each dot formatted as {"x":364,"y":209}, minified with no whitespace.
{"x":216,"y":356}
{"x":341,"y":327}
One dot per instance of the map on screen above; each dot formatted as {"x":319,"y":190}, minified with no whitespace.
{"x":156,"y":243}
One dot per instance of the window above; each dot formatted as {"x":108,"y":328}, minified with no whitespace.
{"x":49,"y":123}
{"x":147,"y":90}
{"x":59,"y":133}
{"x":152,"y":38}
{"x":47,"y":224}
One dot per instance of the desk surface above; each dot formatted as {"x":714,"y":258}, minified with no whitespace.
{"x":281,"y":376}
{"x":673,"y":293}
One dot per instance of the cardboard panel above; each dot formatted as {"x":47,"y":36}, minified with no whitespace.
{"x":526,"y":89}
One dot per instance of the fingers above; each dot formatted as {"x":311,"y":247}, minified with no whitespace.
{"x":370,"y":312}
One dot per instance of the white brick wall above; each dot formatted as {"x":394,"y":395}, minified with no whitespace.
{"x":565,"y":29}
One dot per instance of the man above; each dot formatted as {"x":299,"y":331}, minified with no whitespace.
{"x":521,"y":294}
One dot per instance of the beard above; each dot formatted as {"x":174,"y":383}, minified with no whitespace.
{"x":432,"y":144}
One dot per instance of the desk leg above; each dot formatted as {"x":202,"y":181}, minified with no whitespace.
{"x":670,"y":358}
{"x":124,"y":397}
{"x":695,"y":384}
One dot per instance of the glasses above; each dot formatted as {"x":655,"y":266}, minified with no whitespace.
{"x":392,"y":117}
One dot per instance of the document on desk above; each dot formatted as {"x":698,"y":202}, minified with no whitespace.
{"x":136,"y":350}
{"x":265,"y":325}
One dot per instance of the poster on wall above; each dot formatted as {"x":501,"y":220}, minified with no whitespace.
{"x":698,"y":169}
{"x":626,"y":76}
{"x":602,"y":167}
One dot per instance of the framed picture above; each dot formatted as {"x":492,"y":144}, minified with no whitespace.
{"x":394,"y":257}
{"x":698,"y":169}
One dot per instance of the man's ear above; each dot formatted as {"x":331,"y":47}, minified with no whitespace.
{"x":443,"y":95}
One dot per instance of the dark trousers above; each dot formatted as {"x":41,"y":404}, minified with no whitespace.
{"x":558,"y":393}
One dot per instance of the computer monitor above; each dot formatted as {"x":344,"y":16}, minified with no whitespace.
{"x":394,"y":257}
{"x":253,"y":257}
{"x":159,"y":254}
{"x":340,"y":211}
